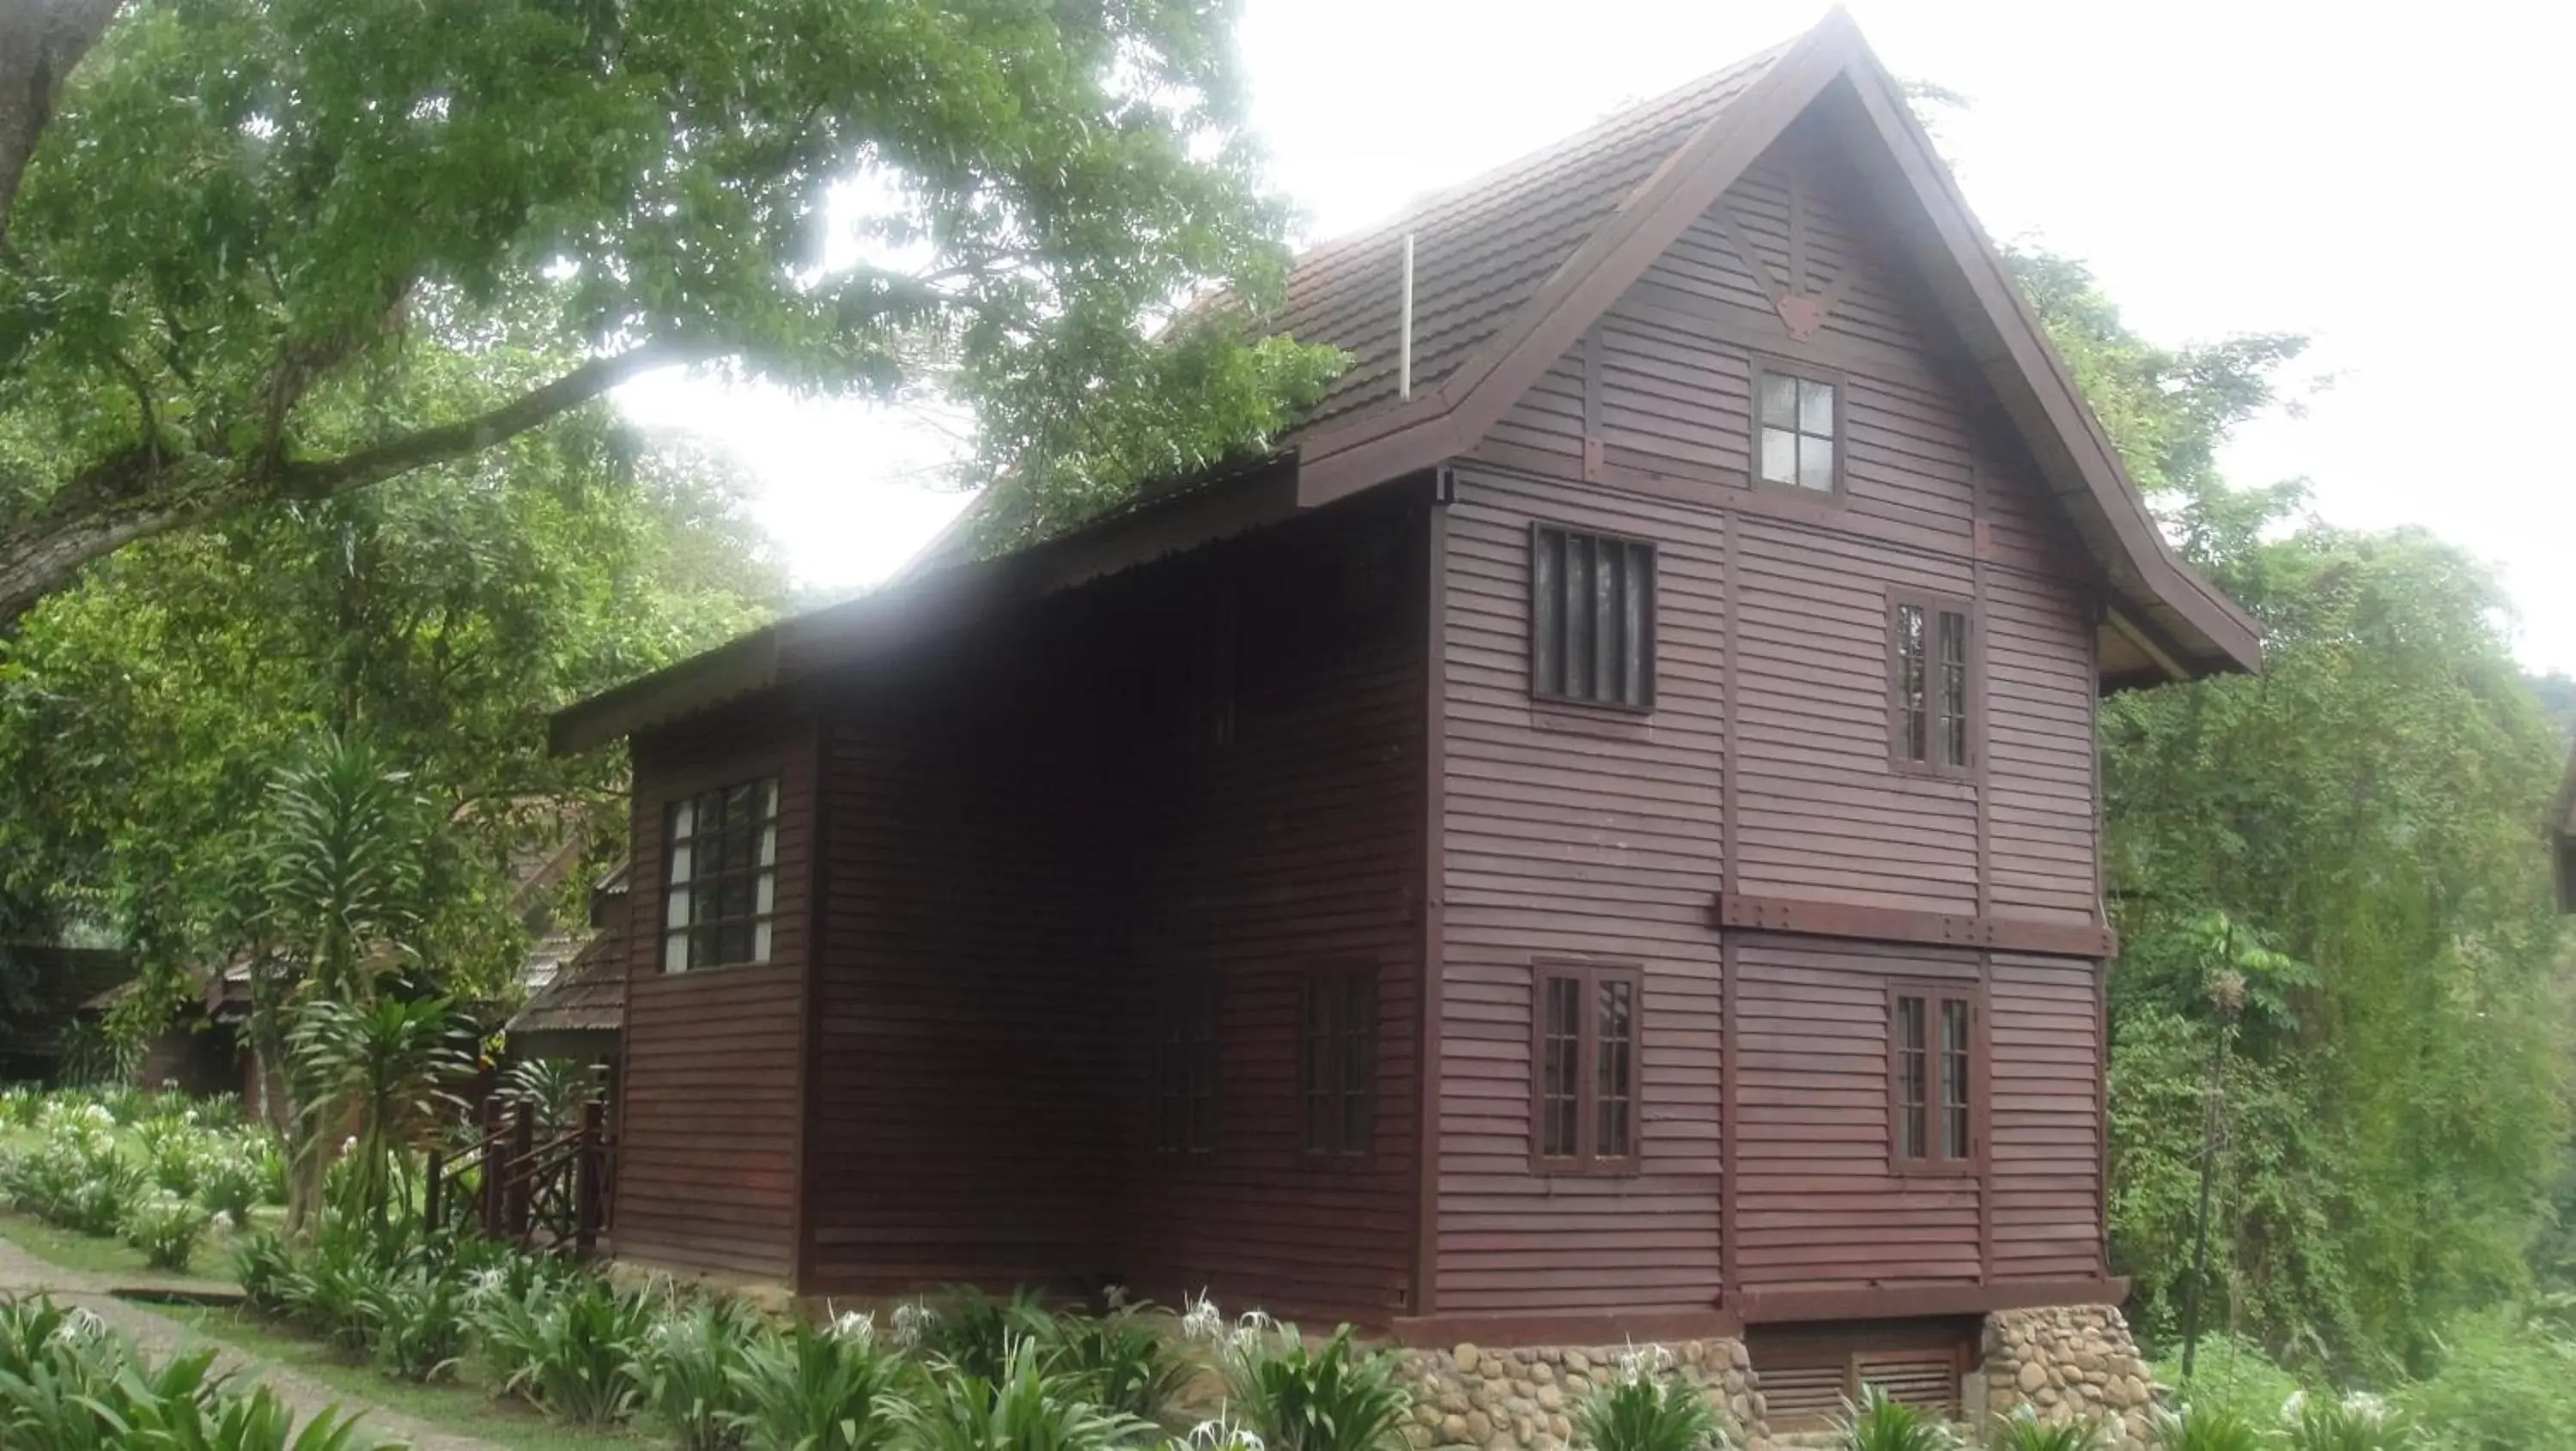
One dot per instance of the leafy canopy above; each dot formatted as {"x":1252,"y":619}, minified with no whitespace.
{"x":256,"y":236}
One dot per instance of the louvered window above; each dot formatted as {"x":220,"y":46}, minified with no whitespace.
{"x":1585,"y":1066}
{"x":720,"y":876}
{"x":1592,"y":619}
{"x":1337,"y":1073}
{"x":1930,"y":653}
{"x":1185,"y":1061}
{"x":1807,"y":1380}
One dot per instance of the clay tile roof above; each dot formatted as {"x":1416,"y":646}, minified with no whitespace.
{"x":1482,"y":248}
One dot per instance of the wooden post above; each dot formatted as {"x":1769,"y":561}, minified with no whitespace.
{"x":434,"y":1181}
{"x":586,"y":1216}
{"x":495,"y":1155}
{"x":523,"y":1143}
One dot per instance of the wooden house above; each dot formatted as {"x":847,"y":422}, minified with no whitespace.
{"x":1595,"y":839}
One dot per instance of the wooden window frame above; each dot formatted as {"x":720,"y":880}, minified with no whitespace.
{"x":1539,"y":530}
{"x":1764,"y":366}
{"x":1331,"y":987}
{"x":766,"y":837}
{"x":1185,"y":1103}
{"x":1587,"y":1158}
{"x":1972,"y":745}
{"x":1935,"y":993}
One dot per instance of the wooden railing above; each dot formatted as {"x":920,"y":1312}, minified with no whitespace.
{"x":549,"y":1193}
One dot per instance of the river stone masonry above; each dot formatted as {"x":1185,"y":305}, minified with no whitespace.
{"x":1471,"y":1399}
{"x":2072,"y":1363}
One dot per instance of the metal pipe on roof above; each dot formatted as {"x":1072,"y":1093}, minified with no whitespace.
{"x":1404,"y":327}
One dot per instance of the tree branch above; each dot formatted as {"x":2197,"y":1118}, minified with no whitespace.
{"x":40,"y":42}
{"x":532,"y":409}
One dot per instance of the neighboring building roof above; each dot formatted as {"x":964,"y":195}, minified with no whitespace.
{"x":1510,"y":270}
{"x":588,"y":993}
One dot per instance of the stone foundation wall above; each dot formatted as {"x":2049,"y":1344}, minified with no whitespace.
{"x":2071,"y":1363}
{"x":1524,"y":1400}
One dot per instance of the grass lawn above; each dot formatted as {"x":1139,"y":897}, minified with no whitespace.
{"x":112,"y":1257}
{"x":461,"y":1409}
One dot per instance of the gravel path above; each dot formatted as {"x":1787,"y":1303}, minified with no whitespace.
{"x":23,"y":1273}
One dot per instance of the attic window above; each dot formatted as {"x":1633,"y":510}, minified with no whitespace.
{"x":1592,"y":619}
{"x":1798,"y":430}
{"x":720,"y":876}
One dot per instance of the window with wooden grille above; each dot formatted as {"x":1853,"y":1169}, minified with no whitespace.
{"x":1337,"y":1062}
{"x":1185,"y":1066}
{"x":720,"y":876}
{"x":1931,"y":654}
{"x":1932,"y":1080}
{"x":1584,"y":1067}
{"x":1592,"y":618}
{"x":1797,"y":430}
{"x":1809,"y":1375}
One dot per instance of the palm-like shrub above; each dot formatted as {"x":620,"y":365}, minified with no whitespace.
{"x":975,"y":1333}
{"x":687,"y":1372}
{"x":1648,"y":1408}
{"x":168,"y":1230}
{"x":2023,"y":1430}
{"x":2206,"y":1428}
{"x":2352,"y":1423}
{"x":570,"y":1349}
{"x":390,"y":1062}
{"x":1121,"y":1362}
{"x":1881,"y":1423}
{"x":231,"y":1185}
{"x":417,"y":1315}
{"x":1029,"y":1408}
{"x":1301,"y":1398}
{"x":809,"y":1389}
{"x":263,"y":1265}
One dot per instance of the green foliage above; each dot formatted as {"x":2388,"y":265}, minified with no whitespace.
{"x":2232,"y":1373}
{"x":2023,"y":1430}
{"x":689,"y":1369}
{"x":2501,"y":1382}
{"x":571,"y":1348}
{"x":168,"y":1230}
{"x":2349,"y":1423}
{"x":1120,"y":1362}
{"x":1300,"y":1397}
{"x":2195,"y":1427}
{"x":327,"y":231}
{"x":1030,"y":1408}
{"x":418,"y":1317}
{"x":815,"y":1389}
{"x":389,"y":1063}
{"x":75,"y":1175}
{"x":262,"y":1265}
{"x":1881,"y":1423}
{"x":1648,"y":1408}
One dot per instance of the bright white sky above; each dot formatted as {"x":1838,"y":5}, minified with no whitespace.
{"x":2389,"y":179}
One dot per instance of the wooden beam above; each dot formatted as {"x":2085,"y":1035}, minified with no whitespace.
{"x":1897,"y":1302}
{"x":1799,"y":917}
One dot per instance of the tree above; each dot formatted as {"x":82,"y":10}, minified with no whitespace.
{"x":242,"y":242}
{"x":2362,"y":812}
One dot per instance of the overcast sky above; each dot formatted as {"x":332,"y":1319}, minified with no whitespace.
{"x":2391,"y":180}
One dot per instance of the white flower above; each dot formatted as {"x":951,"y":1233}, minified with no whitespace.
{"x":1645,"y":1362}
{"x":912,"y":1322}
{"x":2366,"y":1405}
{"x":349,"y":1145}
{"x":2290,"y":1408}
{"x":856,"y":1325}
{"x":1201,"y":1320}
{"x":222,"y":1223}
{"x":1218,"y":1434}
{"x":485,"y":1284}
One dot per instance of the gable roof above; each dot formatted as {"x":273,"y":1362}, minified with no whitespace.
{"x":1510,"y":270}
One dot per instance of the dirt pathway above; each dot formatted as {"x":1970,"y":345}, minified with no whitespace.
{"x":23,"y":1273}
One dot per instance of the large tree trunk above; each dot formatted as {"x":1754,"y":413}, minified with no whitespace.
{"x":40,"y":42}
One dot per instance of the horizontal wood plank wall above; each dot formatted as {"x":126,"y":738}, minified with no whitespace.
{"x":1587,"y":835}
{"x":1817,"y":1206}
{"x":2047,"y":1117}
{"x":1290,"y":846}
{"x":1576,"y":834}
{"x":966,"y":1057}
{"x":706,"y":1161}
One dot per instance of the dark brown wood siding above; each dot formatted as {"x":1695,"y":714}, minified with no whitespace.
{"x":1032,"y":833}
{"x":1764,"y":770}
{"x":706,"y":1164}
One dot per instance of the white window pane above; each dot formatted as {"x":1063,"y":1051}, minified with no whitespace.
{"x":683,"y":862}
{"x":760,"y":942}
{"x":1779,"y":400}
{"x":769,"y":846}
{"x":684,"y":819}
{"x":675,"y":908}
{"x":1815,"y":463}
{"x":768,"y":797}
{"x":1779,"y":456}
{"x":1816,"y":408}
{"x":767,"y":890}
{"x":675,"y":952}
